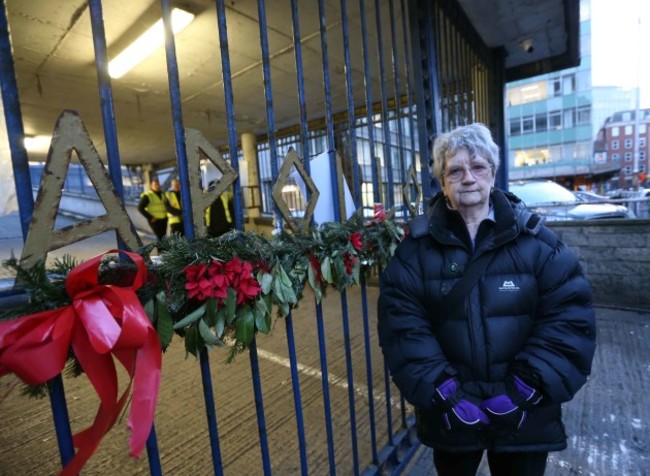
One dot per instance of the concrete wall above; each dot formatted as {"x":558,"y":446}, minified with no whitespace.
{"x":615,"y":255}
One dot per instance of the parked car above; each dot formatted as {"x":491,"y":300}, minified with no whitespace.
{"x":558,"y":203}
{"x":587,"y":196}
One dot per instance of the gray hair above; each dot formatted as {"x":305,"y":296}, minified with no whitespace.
{"x":475,"y":138}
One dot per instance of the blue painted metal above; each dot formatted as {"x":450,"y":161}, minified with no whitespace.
{"x":226,"y":75}
{"x":297,"y":399}
{"x":300,"y":78}
{"x":388,"y":158}
{"x":389,"y":409}
{"x":106,"y":95}
{"x":409,"y":80}
{"x":14,"y":122}
{"x":369,"y":380}
{"x":397,"y":99}
{"x":376,"y":184}
{"x":326,"y":389}
{"x":61,"y":419}
{"x":348,"y":366}
{"x":259,"y":407}
{"x":153,"y":454}
{"x":177,"y":120}
{"x":328,"y":108}
{"x":211,"y":413}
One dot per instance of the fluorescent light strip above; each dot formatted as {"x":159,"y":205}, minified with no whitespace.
{"x":147,"y":43}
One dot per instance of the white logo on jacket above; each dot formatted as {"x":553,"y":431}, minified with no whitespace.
{"x":508,"y":286}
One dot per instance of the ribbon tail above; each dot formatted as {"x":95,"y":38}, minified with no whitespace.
{"x":145,"y":392}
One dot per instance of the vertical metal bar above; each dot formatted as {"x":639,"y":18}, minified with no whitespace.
{"x":14,"y":121}
{"x":230,"y":109}
{"x":300,"y":80}
{"x":268,"y":95}
{"x":293,"y":360}
{"x":270,"y":123}
{"x":369,"y":382}
{"x":177,"y":120}
{"x":106,"y":95}
{"x":325,"y":384}
{"x":328,"y":109}
{"x":389,"y":408}
{"x":152,"y":453}
{"x":61,"y":419}
{"x":388,"y":159}
{"x":376,"y":186}
{"x":398,"y":102}
{"x":348,"y":364}
{"x":409,"y":81}
{"x":211,"y":413}
{"x":297,"y":400}
{"x":259,"y":407}
{"x":350,"y":102}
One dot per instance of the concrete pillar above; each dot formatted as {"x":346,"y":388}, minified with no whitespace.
{"x":250,"y":189}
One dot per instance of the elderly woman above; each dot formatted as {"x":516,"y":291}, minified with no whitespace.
{"x":485,"y":319}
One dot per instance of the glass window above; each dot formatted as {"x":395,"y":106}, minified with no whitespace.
{"x":628,"y":170}
{"x":528,"y":124}
{"x":584,"y":115}
{"x":556,"y":86}
{"x":641,"y":141}
{"x":615,"y":131}
{"x":615,"y":144}
{"x":616,"y":157}
{"x":628,"y":156}
{"x":555,"y":120}
{"x":628,"y":143}
{"x":628,"y":130}
{"x":568,"y":84}
{"x":642,"y":155}
{"x":515,"y":127}
{"x":569,"y":118}
{"x":642,"y":128}
{"x":541,"y":122}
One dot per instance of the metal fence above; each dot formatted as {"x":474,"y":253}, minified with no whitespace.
{"x":423,"y":70}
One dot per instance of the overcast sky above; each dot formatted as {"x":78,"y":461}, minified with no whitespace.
{"x":618,"y":43}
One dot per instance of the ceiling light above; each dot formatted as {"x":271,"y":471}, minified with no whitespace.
{"x":147,"y":43}
{"x":37,"y":143}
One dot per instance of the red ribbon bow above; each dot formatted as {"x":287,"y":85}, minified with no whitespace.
{"x":102,"y":321}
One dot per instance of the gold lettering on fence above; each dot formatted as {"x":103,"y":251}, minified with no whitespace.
{"x":70,"y":134}
{"x":202,"y":198}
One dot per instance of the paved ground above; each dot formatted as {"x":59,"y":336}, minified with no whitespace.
{"x":608,"y":421}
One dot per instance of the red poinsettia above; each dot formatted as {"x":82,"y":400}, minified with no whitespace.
{"x":356,"y":241}
{"x":349,"y":260}
{"x":214,"y":279}
{"x":315,"y":264}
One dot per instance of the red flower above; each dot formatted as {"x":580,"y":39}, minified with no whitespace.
{"x":356,"y":240}
{"x":315,"y":264}
{"x":241,"y":280}
{"x":349,"y":260}
{"x":196,"y":277}
{"x":214,"y":280}
{"x":263,"y":265}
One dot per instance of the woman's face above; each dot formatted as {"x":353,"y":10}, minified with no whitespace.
{"x":467,"y":182}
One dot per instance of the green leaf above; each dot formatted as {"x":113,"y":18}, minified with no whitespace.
{"x":278,"y":290}
{"x":266,"y":281}
{"x":286,"y":281}
{"x":231,"y":305}
{"x":220,"y":323}
{"x":245,"y":326}
{"x":326,"y":269}
{"x":190,"y":318}
{"x":211,"y":311}
{"x":355,"y":273}
{"x":284,"y":308}
{"x":261,"y":304}
{"x":287,"y":287}
{"x":191,"y":347}
{"x":149,"y":308}
{"x":207,"y":335}
{"x":164,"y":321}
{"x":262,"y":324}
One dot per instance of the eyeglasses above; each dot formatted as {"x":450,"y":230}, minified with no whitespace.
{"x":477,"y":169}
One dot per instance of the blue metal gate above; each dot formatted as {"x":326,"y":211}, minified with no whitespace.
{"x":375,"y":129}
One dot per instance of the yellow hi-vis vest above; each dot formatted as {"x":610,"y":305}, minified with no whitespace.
{"x":173,"y":201}
{"x":225,"y":197}
{"x":156,"y":206}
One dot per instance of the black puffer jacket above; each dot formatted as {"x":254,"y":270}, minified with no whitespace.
{"x":530,"y":314}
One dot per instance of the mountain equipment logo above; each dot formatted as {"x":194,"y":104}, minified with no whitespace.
{"x":508,"y":286}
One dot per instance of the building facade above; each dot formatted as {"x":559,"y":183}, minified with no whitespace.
{"x":553,"y":121}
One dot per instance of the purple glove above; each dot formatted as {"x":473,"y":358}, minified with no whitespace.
{"x":458,"y":410}
{"x":510,"y":409}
